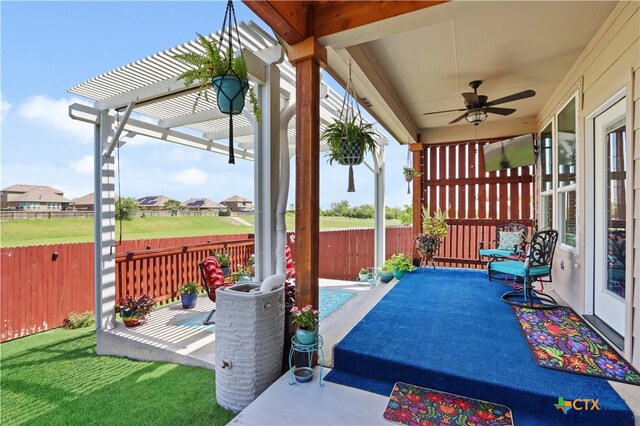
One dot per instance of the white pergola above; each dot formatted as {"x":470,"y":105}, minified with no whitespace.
{"x":144,"y":99}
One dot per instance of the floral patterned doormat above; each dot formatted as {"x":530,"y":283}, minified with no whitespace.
{"x":560,"y":339}
{"x":413,"y":405}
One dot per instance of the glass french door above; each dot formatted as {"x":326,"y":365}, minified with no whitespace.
{"x":611,"y":164}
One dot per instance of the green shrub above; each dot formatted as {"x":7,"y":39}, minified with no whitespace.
{"x":78,"y":320}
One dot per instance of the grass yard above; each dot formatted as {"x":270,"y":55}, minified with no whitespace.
{"x":56,"y":378}
{"x":14,"y":233}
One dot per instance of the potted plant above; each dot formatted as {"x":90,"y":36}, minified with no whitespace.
{"x":409,"y":173}
{"x":348,"y":141}
{"x":242,"y":273}
{"x":252,"y":262}
{"x":401,"y":265}
{"x":386,"y":272}
{"x":213,"y":67}
{"x":434,"y":228}
{"x":363,"y":275}
{"x":224,"y":261}
{"x":189,"y":294}
{"x":134,"y":310}
{"x":307,"y":319}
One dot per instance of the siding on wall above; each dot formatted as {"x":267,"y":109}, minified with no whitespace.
{"x":603,"y":69}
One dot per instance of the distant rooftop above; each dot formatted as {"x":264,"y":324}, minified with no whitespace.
{"x":25,"y":188}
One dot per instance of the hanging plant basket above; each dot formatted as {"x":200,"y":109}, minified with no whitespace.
{"x":349,"y":137}
{"x":230,"y":93}
{"x":227,"y":73}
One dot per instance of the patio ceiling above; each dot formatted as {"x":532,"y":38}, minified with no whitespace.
{"x":164,"y":107}
{"x":422,"y":61}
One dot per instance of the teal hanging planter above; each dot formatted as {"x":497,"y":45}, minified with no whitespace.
{"x":230,"y":93}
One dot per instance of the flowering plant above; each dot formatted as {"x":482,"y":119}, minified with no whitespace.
{"x":142,"y":305}
{"x":307,"y":318}
{"x":410,"y":172}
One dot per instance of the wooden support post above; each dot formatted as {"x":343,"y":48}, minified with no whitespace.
{"x":418,"y":160}
{"x":307,"y":56}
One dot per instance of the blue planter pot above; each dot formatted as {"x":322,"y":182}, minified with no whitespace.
{"x":397,"y":273}
{"x":226,"y":270}
{"x":244,"y":278}
{"x":386,"y":276}
{"x":189,"y":300}
{"x":230,"y":93}
{"x":307,"y":337}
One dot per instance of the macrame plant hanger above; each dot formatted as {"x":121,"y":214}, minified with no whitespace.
{"x":351,"y":154}
{"x":409,"y":164}
{"x":240,"y":88}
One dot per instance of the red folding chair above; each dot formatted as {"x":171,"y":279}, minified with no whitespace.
{"x":212,"y":279}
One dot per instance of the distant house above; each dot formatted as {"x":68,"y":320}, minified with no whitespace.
{"x":84,"y":203}
{"x":33,"y":198}
{"x":238,"y":204}
{"x":153,"y":202}
{"x":197,"y":204}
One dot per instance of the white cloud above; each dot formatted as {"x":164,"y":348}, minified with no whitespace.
{"x":192,"y":176}
{"x":83,"y":166}
{"x":4,"y":108}
{"x":54,"y":113}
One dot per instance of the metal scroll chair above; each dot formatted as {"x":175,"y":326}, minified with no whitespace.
{"x":510,"y":239}
{"x":212,"y":279}
{"x":536,"y":267}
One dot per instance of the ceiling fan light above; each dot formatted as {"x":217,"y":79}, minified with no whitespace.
{"x":476,"y":117}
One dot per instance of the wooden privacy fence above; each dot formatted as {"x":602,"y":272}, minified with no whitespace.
{"x":38,"y":289}
{"x":40,"y":285}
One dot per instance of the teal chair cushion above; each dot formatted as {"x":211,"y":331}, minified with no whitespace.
{"x":495,"y":253}
{"x":515,"y":267}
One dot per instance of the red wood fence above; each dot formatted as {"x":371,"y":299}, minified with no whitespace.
{"x":37,"y":291}
{"x":41,"y":285}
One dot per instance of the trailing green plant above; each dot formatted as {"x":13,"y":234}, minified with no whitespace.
{"x":352,"y":138}
{"x":252,"y":260}
{"x":191,"y":287}
{"x":78,"y":320}
{"x":401,"y":262}
{"x":214,"y":63}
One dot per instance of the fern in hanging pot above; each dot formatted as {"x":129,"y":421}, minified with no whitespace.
{"x":212,"y":67}
{"x":349,"y":141}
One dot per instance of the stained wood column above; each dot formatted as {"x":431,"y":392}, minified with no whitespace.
{"x":417,"y":152}
{"x":307,"y":56}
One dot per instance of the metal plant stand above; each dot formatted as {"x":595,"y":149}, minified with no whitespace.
{"x":316,"y":347}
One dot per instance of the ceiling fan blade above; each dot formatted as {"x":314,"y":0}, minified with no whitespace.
{"x":516,"y":96}
{"x":499,"y":111}
{"x":458,"y":119}
{"x":448,"y":110}
{"x":471,"y":98}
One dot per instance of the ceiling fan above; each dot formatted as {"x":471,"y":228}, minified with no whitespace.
{"x":477,"y":106}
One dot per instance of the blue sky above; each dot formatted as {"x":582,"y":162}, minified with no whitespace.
{"x":48,"y":47}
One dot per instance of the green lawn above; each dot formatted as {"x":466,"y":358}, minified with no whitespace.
{"x":56,"y":378}
{"x":15,"y":233}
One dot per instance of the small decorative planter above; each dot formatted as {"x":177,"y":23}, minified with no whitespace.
{"x":363,"y":277}
{"x":307,"y":337}
{"x":130,"y":318}
{"x":230,"y":93}
{"x":386,"y":276}
{"x":189,"y":300}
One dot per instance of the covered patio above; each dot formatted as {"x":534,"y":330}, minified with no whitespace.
{"x":411,"y":59}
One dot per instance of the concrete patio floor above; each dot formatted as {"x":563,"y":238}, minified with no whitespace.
{"x":162,"y":339}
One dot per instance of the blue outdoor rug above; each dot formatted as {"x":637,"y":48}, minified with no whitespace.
{"x":448,"y":330}
{"x":196,"y":322}
{"x":330,"y":300}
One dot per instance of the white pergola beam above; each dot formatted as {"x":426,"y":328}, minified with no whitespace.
{"x":223,"y":134}
{"x":118,"y":132}
{"x":196,"y":117}
{"x":91,"y":115}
